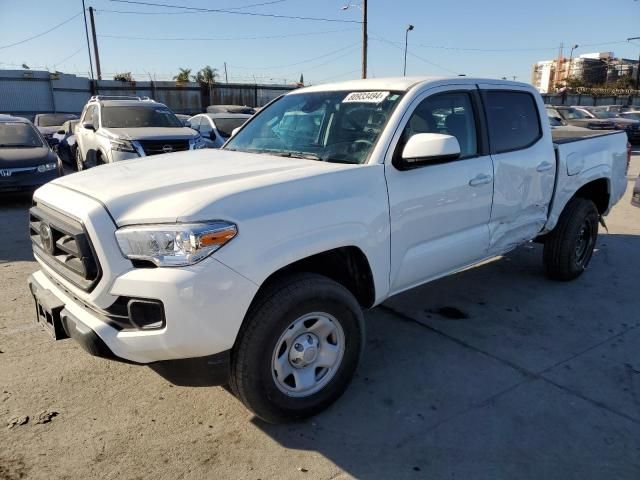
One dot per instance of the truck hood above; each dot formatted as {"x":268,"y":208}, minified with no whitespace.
{"x":182,"y":186}
{"x":151,"y":133}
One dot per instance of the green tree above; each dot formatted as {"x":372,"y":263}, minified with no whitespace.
{"x":183,"y":75}
{"x":123,"y":77}
{"x":206,"y":76}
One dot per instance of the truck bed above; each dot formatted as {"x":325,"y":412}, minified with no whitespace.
{"x":568,"y":136}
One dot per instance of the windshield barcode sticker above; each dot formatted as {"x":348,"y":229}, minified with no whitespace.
{"x":365,"y":97}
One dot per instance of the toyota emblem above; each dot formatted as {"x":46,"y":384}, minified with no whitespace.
{"x":46,"y":237}
{"x":167,"y":148}
{"x":5,"y":173}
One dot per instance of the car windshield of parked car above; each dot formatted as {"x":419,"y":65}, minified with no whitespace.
{"x":18,"y":135}
{"x":573,"y":114}
{"x":138,"y":117}
{"x":604,"y":114}
{"x":226,"y":126}
{"x":338,"y":126}
{"x":53,"y":119}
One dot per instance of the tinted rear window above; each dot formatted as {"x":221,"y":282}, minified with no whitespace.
{"x":513,"y":119}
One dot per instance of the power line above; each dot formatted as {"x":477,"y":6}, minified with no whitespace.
{"x":498,"y":50}
{"x":344,"y":74}
{"x":41,"y":34}
{"x":138,"y":12}
{"x":219,"y":39}
{"x":67,"y":58}
{"x":233,"y":12}
{"x":348,"y":47}
{"x":401,"y":47}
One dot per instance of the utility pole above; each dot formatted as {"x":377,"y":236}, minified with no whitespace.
{"x":226,"y":78}
{"x":364,"y":39}
{"x":638,"y":67}
{"x":86,"y":31}
{"x":95,"y":43}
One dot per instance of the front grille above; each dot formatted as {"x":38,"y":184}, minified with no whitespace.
{"x":155,"y":147}
{"x":63,"y":244}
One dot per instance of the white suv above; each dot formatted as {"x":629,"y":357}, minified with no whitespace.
{"x":115,"y":128}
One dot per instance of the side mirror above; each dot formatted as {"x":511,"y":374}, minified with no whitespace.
{"x":212,"y":135}
{"x":425,"y":148}
{"x":61,"y":132}
{"x":235,"y":130}
{"x":88,"y":126}
{"x":53,"y":141}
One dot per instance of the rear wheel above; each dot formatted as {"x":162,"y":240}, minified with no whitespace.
{"x":298,"y":349}
{"x":569,"y":247}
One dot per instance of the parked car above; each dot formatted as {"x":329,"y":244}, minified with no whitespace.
{"x":50,"y":123}
{"x":121,"y":128}
{"x":67,"y":145}
{"x":216,"y":128}
{"x":618,"y":108}
{"x":579,"y":118}
{"x":231,"y":109}
{"x":631,"y":115}
{"x":635,"y":197}
{"x":630,"y":126}
{"x":259,"y":257}
{"x":26,"y":159}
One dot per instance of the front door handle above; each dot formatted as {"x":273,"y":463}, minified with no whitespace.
{"x":481,"y":179}
{"x":544,"y":166}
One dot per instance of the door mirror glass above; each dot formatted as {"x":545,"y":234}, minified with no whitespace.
{"x":88,"y":126}
{"x":212,"y":135}
{"x":61,"y":132}
{"x":424,"y":148}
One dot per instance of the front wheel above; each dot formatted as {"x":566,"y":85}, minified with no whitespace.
{"x":569,"y":246}
{"x":79,"y":162}
{"x":298,"y":349}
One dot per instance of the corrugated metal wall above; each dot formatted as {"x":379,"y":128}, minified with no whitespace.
{"x":590,"y":100}
{"x":27,"y":92}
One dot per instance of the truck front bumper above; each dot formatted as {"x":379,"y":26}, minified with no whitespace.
{"x":203,"y":306}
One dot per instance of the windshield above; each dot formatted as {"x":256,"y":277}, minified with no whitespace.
{"x":226,"y":125}
{"x":604,"y":114}
{"x":53,"y":119}
{"x":330,"y":126}
{"x":19,"y":135}
{"x":573,"y":114}
{"x":139,"y":117}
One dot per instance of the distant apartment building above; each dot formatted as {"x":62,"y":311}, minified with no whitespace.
{"x":590,"y":68}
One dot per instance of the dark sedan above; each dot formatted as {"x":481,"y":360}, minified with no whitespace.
{"x":26,"y":159}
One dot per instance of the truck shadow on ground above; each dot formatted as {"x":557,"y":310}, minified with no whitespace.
{"x":453,"y":378}
{"x":15,"y":245}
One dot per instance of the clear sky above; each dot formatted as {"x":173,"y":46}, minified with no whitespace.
{"x":492,"y":38}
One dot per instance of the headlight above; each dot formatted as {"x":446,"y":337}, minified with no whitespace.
{"x":174,"y":245}
{"x":47,"y":167}
{"x":122,"y":146}
{"x":199,"y":142}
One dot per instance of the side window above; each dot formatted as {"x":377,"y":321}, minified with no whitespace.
{"x":446,"y":113}
{"x":205,"y":128}
{"x":88,"y":113}
{"x":513,"y":119}
{"x":195,"y":123}
{"x":95,"y":117}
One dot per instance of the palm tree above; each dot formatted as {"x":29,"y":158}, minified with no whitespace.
{"x":206,"y":76}
{"x":183,"y":76}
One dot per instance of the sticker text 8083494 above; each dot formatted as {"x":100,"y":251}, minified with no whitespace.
{"x":365,"y":97}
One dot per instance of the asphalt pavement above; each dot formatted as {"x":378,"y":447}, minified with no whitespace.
{"x":495,"y":372}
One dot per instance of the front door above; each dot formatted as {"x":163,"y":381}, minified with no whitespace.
{"x":440,"y":212}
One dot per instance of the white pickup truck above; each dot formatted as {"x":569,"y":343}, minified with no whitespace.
{"x":333,"y":198}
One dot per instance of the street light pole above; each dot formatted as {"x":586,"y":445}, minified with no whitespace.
{"x":571,"y":60}
{"x":365,"y":39}
{"x":638,"y":68}
{"x":406,"y":41}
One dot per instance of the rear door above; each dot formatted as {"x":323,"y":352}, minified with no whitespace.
{"x":524,"y":165}
{"x":439,"y":211}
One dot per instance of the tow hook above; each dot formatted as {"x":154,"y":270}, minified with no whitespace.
{"x":604,"y":225}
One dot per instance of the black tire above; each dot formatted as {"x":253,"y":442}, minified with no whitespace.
{"x":569,"y":246}
{"x":252,"y":379}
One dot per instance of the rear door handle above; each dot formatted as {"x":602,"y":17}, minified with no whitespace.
{"x":544,"y":166}
{"x":481,"y":179}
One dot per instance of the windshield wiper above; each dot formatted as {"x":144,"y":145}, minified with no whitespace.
{"x":303,"y":155}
